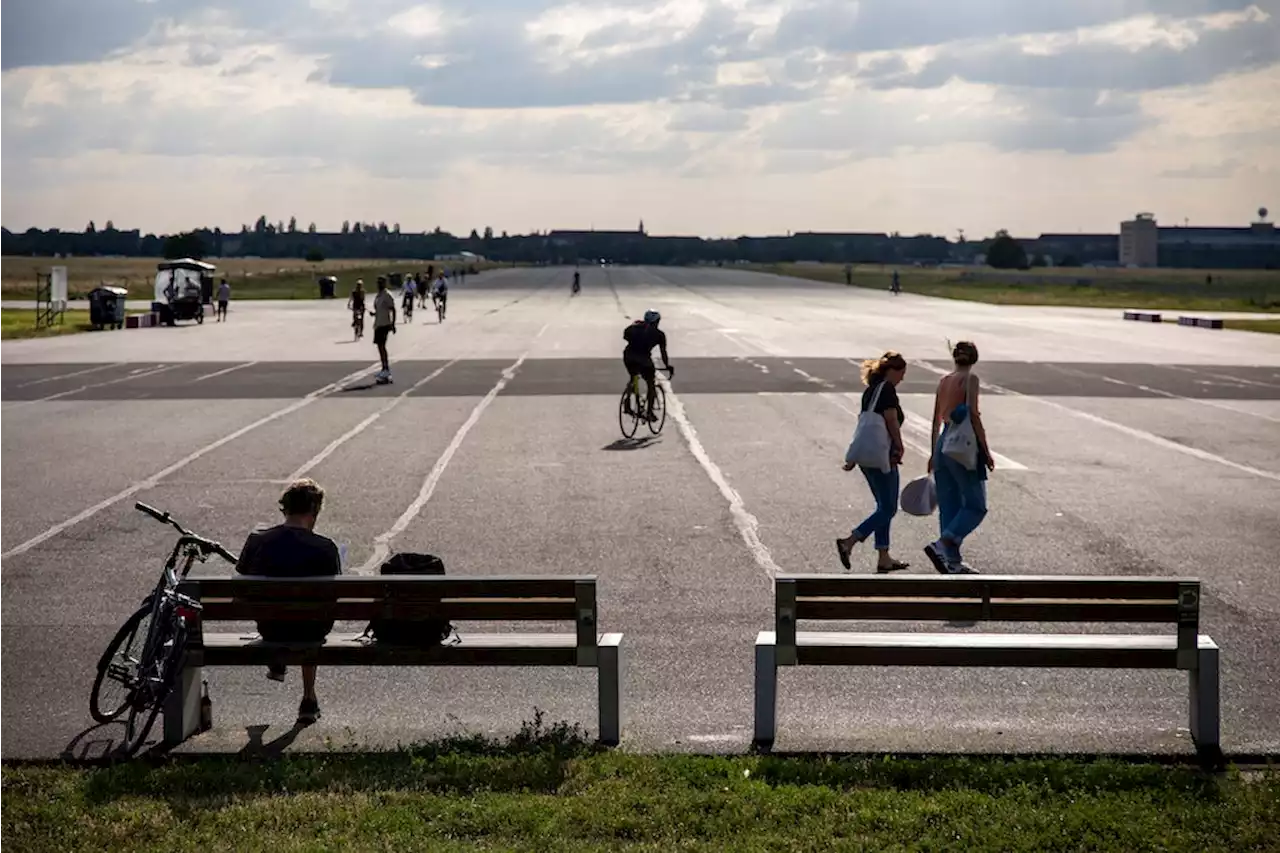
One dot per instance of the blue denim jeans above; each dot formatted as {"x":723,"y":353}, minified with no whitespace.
{"x":884,"y":488}
{"x":962,"y":496}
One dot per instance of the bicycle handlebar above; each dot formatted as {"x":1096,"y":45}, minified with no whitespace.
{"x":206,"y":545}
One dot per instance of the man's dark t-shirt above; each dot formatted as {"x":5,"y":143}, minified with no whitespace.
{"x":290,"y":552}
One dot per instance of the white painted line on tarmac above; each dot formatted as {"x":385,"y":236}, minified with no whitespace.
{"x":72,"y":374}
{"x":747,"y":524}
{"x":364,"y":424}
{"x":814,"y":379}
{"x":1216,"y":404}
{"x":382,"y":542}
{"x":1227,"y":378}
{"x":155,"y":478}
{"x":225,"y":372}
{"x":1151,"y":438}
{"x":141,"y":373}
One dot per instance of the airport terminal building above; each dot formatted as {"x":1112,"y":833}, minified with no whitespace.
{"x":1143,"y":243}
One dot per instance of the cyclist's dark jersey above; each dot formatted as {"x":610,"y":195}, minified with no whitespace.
{"x":641,"y":338}
{"x":357,"y":302}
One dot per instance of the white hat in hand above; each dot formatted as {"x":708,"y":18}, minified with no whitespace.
{"x":920,"y":497}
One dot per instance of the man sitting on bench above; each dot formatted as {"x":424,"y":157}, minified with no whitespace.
{"x":290,"y":550}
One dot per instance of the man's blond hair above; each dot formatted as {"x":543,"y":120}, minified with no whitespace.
{"x":302,"y":497}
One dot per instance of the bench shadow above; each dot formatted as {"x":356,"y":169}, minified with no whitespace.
{"x":632,"y":443}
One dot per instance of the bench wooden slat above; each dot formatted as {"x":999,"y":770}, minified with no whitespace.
{"x":350,"y":650}
{"x":494,"y":609}
{"x":1105,"y":651}
{"x":995,"y":586}
{"x":1017,"y":610}
{"x":383,"y":586}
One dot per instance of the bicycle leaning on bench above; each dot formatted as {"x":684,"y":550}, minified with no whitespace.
{"x":136,"y":673}
{"x":633,"y":408}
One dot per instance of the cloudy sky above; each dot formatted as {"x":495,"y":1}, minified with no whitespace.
{"x":708,"y":117}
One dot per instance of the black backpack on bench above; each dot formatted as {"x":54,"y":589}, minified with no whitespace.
{"x":405,"y":632}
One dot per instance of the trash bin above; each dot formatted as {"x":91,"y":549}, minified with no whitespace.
{"x":106,"y":306}
{"x":328,"y":284}
{"x":395,"y":280}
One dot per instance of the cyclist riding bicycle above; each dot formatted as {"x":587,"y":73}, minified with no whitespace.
{"x":440,"y":293}
{"x":355,"y":304}
{"x":641,"y":337}
{"x":409,"y":291}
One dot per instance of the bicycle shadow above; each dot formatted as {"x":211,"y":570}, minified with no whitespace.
{"x":85,"y":750}
{"x":633,"y":443}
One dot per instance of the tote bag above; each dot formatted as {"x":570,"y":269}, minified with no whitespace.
{"x":870,"y":445}
{"x":961,"y":442}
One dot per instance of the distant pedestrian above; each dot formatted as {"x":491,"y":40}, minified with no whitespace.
{"x":881,"y":376}
{"x":848,"y":274}
{"x":224,"y":297}
{"x":896,"y":287}
{"x":384,"y":324}
{"x":962,"y":491}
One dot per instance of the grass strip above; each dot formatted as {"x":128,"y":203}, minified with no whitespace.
{"x":20,"y":323}
{"x":1268,"y":326}
{"x":1171,"y":290}
{"x":553,"y":791}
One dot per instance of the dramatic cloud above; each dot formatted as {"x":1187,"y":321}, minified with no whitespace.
{"x":684,"y":107}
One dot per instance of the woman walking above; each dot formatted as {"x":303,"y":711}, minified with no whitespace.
{"x":881,"y":376}
{"x":962,"y":492}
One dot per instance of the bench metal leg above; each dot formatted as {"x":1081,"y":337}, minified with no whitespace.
{"x":182,"y":708}
{"x":1204,"y":699}
{"x":766,"y":688}
{"x":609,"y":673}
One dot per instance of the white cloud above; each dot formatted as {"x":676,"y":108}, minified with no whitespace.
{"x":689,"y":106}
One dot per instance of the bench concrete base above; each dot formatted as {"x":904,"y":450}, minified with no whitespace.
{"x":1201,"y":322}
{"x":949,"y":650}
{"x":182,"y":708}
{"x":1144,"y":316}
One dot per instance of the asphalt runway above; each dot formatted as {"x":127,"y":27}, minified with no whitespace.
{"x":1124,"y":448}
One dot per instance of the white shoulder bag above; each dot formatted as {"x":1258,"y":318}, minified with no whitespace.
{"x":961,"y":442}
{"x":870,"y":445}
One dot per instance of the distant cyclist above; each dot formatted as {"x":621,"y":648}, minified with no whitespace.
{"x":409,"y":294}
{"x":641,"y":337}
{"x":355,"y":304}
{"x":441,"y":294}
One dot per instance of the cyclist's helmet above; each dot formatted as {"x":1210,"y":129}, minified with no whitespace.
{"x":652,"y":316}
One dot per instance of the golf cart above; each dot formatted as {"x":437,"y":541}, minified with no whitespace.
{"x":183,"y":287}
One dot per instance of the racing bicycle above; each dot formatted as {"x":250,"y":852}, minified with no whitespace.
{"x":632,"y":406}
{"x":137,"y":671}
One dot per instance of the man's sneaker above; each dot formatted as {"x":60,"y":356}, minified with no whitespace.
{"x":276,"y":671}
{"x":960,"y":567}
{"x":308,"y":712}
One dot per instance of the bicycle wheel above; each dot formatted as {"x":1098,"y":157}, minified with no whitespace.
{"x":118,"y":667}
{"x":155,"y":682}
{"x":659,"y":410}
{"x":628,"y":422}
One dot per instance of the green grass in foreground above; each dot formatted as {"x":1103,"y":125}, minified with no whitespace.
{"x":1270,"y":326}
{"x":1176,"y":290}
{"x":550,"y":792}
{"x":18,"y":323}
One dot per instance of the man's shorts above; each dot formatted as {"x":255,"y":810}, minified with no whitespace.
{"x":222,"y":305}
{"x":380,"y":335}
{"x":637,"y":366}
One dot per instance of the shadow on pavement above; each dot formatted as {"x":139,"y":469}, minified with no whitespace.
{"x":255,"y":746}
{"x":95,"y":743}
{"x":631,"y":443}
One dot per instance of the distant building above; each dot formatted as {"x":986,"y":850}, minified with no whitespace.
{"x":1073,"y":248}
{"x":1139,"y":241}
{"x":1254,"y":247}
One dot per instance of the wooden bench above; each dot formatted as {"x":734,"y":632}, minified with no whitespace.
{"x":414,"y":597}
{"x":988,"y":598}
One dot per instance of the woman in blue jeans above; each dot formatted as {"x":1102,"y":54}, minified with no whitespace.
{"x":962,"y":494}
{"x":881,"y":376}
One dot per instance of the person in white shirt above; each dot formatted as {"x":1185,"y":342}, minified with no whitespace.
{"x":384,"y":324}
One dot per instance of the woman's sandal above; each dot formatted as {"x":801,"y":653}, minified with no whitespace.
{"x":844,"y":555}
{"x":894,"y":566}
